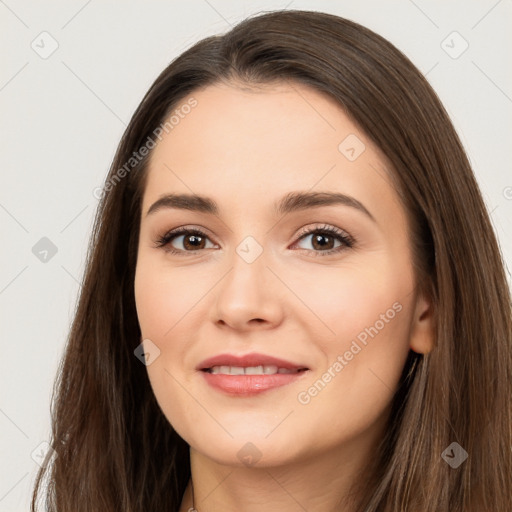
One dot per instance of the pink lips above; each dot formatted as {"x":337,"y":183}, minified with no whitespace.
{"x":247,"y":360}
{"x":249,"y":384}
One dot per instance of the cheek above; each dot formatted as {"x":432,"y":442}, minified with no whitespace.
{"x":355,"y":388}
{"x":366,"y":312}
{"x":356,"y":299}
{"x":171,"y":312}
{"x":164,"y":303}
{"x":163,"y":298}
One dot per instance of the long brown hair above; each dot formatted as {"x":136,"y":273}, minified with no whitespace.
{"x":116,"y":450}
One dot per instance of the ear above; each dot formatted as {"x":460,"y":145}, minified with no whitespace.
{"x":422,"y":327}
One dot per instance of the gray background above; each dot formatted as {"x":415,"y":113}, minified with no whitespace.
{"x":63,"y":115}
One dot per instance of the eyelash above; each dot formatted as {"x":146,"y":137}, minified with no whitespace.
{"x":347,"y":241}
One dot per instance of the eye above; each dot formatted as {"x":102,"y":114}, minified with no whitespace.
{"x":191,"y":240}
{"x":326,"y":240}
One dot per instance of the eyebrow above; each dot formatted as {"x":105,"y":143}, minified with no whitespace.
{"x":292,"y":202}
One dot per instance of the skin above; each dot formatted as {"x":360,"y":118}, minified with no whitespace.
{"x":246,"y":148}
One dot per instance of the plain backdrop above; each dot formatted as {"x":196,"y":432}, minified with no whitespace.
{"x":71,"y":75}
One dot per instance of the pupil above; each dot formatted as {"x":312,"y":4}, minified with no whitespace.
{"x":318,"y":240}
{"x":193,"y":241}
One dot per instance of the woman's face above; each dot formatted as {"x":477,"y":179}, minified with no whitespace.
{"x":265,"y":173}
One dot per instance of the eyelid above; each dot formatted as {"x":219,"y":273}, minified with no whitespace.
{"x":328,"y":228}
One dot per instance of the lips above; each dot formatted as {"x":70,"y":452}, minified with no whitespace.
{"x":250,"y":374}
{"x":248,"y":361}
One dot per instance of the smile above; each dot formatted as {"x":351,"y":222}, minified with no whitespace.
{"x":249,"y":374}
{"x":251,"y":370}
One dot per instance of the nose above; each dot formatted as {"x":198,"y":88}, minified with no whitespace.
{"x":249,"y":296}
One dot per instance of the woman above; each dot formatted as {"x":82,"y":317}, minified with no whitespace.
{"x":294,"y":298}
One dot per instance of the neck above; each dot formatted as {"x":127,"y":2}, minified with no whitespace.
{"x":320,"y":483}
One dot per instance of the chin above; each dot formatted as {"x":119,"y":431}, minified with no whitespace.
{"x":246,"y":449}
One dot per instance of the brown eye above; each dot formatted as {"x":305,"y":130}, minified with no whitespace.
{"x":191,"y":242}
{"x":184,"y":240}
{"x":321,"y":241}
{"x":326,"y":240}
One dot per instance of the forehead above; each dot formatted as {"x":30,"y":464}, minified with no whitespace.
{"x":252,"y":146}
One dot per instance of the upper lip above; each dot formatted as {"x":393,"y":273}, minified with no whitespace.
{"x":247,"y":360}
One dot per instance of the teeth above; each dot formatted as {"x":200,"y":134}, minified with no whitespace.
{"x":254,"y":370}
{"x":249,"y":370}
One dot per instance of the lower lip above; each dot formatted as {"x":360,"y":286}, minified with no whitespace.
{"x":250,"y":384}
